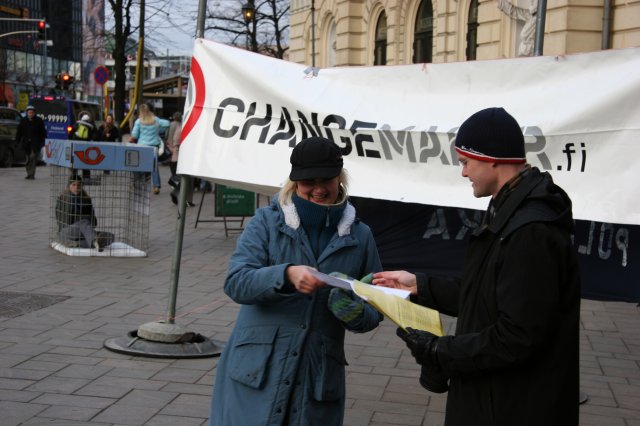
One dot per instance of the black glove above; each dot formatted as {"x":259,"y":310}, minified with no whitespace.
{"x":423,"y":346}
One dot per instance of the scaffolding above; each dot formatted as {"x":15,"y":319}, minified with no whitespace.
{"x":99,"y":197}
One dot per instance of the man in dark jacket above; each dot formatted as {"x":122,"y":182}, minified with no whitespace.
{"x":31,"y":134}
{"x":514,"y":357}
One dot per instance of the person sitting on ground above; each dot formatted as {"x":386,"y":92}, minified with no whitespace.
{"x":77,"y":219}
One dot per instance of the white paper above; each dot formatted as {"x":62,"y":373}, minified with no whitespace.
{"x":348,"y":285}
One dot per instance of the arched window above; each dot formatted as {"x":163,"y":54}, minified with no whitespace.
{"x":380,"y":50}
{"x":423,"y":39}
{"x":472,"y":31}
{"x":331,"y":44}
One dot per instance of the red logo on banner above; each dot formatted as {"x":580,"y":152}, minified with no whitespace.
{"x":91,"y":156}
{"x":201,"y":90}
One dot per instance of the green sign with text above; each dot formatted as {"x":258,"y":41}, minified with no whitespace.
{"x":234,"y":202}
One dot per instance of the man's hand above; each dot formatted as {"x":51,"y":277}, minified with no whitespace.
{"x":421,"y":343}
{"x":423,"y":346}
{"x":300,"y":277}
{"x":396,"y":279}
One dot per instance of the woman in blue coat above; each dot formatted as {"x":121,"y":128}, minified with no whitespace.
{"x":284,"y":362}
{"x":146,"y":131}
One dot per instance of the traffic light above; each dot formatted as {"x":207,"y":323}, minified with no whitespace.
{"x":67,"y":80}
{"x":64,"y":80}
{"x":42,"y":30}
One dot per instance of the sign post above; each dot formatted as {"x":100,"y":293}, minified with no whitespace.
{"x":101,"y":75}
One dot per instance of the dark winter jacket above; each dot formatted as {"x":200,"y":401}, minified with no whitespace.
{"x":71,"y":208}
{"x":31,"y":134}
{"x":108,"y":134}
{"x":514,"y":357}
{"x":285,"y":357}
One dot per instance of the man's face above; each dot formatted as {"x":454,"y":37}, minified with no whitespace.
{"x":482,"y":174}
{"x":31,"y":113}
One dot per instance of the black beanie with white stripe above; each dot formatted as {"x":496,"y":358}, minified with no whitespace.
{"x":491,"y":135}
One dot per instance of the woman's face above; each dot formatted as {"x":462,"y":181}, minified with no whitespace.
{"x":108,"y":119}
{"x":319,"y":191}
{"x":75,"y":187}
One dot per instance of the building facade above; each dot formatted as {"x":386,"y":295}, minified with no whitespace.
{"x":73,"y":45}
{"x":387,"y":32}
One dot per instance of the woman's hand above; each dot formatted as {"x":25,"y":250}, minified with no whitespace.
{"x":396,"y":279}
{"x":300,"y":277}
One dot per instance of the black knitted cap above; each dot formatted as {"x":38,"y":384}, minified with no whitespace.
{"x":491,"y":135}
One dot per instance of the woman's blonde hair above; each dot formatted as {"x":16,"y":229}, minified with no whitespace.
{"x":146,"y":115}
{"x":290,"y":186}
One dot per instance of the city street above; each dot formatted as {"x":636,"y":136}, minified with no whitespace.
{"x":56,"y":311}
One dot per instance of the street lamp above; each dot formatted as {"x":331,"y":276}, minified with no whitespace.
{"x":249,"y":14}
{"x":249,"y":11}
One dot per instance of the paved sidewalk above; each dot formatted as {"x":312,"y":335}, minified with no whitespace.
{"x":55,"y":371}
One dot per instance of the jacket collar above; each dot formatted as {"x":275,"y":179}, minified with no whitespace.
{"x":292,"y":219}
{"x":512,"y":201}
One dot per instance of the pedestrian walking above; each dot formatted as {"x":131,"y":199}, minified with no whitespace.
{"x":173,"y":142}
{"x":31,"y":134}
{"x":146,"y":131}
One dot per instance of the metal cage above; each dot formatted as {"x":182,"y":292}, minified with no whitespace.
{"x":101,"y":210}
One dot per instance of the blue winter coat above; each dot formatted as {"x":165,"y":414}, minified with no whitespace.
{"x":149,"y":134}
{"x":286,"y":355}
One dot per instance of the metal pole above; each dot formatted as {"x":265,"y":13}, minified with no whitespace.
{"x":186,"y":184}
{"x":313,"y":33}
{"x":140,"y":58}
{"x":541,"y":14}
{"x":202,"y":11}
{"x":606,"y":25}
{"x":254,"y":39}
{"x":44,"y":57}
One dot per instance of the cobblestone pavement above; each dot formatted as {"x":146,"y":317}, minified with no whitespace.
{"x":59,"y":310}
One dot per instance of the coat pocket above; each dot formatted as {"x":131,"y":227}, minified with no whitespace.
{"x":329,"y":372}
{"x":250,"y":356}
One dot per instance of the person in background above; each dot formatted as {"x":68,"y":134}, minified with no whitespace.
{"x":84,"y":130}
{"x":108,"y":131}
{"x":174,"y":146}
{"x":31,"y":134}
{"x":518,"y":301}
{"x":146,"y":131}
{"x":284,"y":363}
{"x":176,"y":125}
{"x":77,"y":219}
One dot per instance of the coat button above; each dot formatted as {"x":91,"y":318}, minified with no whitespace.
{"x":278,"y":410}
{"x":286,"y":382}
{"x":294,"y":353}
{"x":302,"y":326}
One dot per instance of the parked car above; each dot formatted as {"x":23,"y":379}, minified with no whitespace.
{"x":10,"y":152}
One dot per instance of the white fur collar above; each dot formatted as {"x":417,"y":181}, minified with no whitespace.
{"x":292,"y":219}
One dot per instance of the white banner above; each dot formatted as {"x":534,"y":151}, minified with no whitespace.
{"x":395,"y":124}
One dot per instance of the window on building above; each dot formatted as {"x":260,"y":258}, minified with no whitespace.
{"x":472,"y":31}
{"x":380,"y":50}
{"x":332,"y":42}
{"x":21,"y":62}
{"x":423,"y":37}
